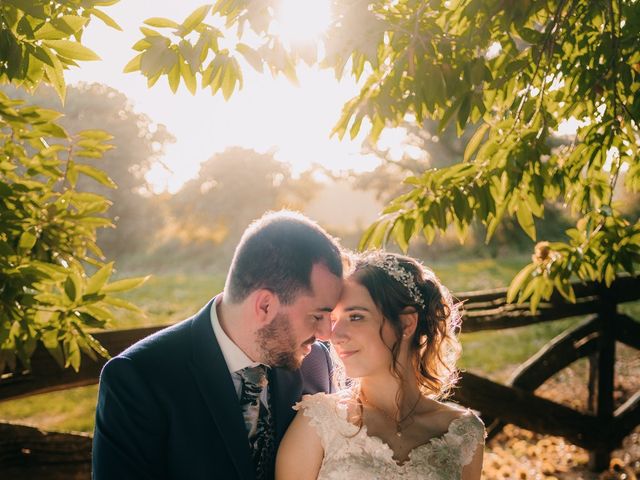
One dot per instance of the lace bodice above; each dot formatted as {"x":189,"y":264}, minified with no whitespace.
{"x":350,"y":453}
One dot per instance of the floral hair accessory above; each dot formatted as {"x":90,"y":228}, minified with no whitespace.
{"x":391,"y":266}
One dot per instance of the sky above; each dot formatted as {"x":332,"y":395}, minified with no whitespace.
{"x":267,"y":114}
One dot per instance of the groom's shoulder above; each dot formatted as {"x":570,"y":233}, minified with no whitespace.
{"x":317,"y":370}
{"x":166,"y":344}
{"x":318,"y":357}
{"x":170,"y":338}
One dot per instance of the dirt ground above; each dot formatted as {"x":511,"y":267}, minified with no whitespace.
{"x":520,"y":454}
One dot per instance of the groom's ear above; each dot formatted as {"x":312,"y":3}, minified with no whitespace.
{"x":266,"y":306}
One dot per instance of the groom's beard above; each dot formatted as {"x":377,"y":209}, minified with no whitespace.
{"x":278,"y":345}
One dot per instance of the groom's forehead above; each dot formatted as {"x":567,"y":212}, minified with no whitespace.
{"x":325,"y":289}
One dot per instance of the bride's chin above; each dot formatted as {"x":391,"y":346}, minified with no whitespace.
{"x":354,"y":372}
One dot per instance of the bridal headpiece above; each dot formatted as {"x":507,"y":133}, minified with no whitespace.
{"x":392,"y":267}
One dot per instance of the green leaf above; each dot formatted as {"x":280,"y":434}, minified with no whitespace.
{"x":536,"y":296}
{"x":609,"y":274}
{"x":51,"y":342}
{"x":97,"y":174}
{"x":73,"y":287}
{"x":160,"y":22}
{"x":96,"y":346}
{"x":72,"y":353}
{"x":70,"y":24}
{"x":73,"y":50}
{"x":188,"y":76}
{"x":251,"y":56}
{"x":56,"y":78}
{"x":98,"y":279}
{"x":355,"y":126}
{"x":195,"y":19}
{"x":232,"y":75}
{"x":72,"y":173}
{"x":448,"y":114}
{"x":474,"y":143}
{"x":398,"y":232}
{"x":120,"y":303}
{"x":566,"y":290}
{"x":525,"y":219}
{"x":102,"y":315}
{"x":106,"y":19}
{"x":100,"y":135}
{"x":463,"y":113}
{"x":518,"y":282}
{"x":27,"y":241}
{"x":133,"y":65}
{"x":48,"y":32}
{"x":174,"y":78}
{"x":149,"y":33}
{"x":123,"y":285}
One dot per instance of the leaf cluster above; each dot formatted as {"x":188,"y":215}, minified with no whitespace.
{"x":519,"y":69}
{"x":40,"y":39}
{"x":47,"y":243}
{"x":191,"y":52}
{"x":47,"y":224}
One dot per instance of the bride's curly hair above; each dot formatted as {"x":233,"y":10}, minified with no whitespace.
{"x":434,"y":346}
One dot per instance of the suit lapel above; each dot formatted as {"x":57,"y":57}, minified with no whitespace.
{"x":212,"y":376}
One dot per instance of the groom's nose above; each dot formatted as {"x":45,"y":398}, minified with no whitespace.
{"x":323,"y":328}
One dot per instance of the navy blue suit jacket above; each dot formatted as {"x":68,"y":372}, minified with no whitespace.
{"x":167,"y":407}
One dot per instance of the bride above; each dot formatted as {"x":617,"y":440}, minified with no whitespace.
{"x":395,"y":332}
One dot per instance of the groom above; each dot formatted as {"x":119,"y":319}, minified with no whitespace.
{"x":211,"y":397}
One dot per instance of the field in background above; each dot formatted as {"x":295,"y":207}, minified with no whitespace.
{"x":168,"y":298}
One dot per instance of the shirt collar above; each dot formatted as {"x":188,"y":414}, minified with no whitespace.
{"x":236,"y":359}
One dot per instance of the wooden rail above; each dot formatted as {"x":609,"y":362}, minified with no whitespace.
{"x":30,"y":453}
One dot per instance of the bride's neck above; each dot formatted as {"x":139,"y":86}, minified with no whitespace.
{"x":382,"y":392}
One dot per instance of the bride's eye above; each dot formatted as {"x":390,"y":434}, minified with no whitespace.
{"x":354,"y":317}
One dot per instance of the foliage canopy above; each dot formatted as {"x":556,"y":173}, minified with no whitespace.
{"x":47,"y":223}
{"x":519,"y":69}
{"x":137,"y":144}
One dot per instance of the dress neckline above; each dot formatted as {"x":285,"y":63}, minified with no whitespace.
{"x":387,"y":448}
{"x":426,"y":445}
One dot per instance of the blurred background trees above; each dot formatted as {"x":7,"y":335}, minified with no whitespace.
{"x":521,"y":72}
{"x":234,"y":187}
{"x":481,"y":91}
{"x":137,"y":144}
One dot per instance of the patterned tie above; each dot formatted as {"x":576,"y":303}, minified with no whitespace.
{"x":258,"y":420}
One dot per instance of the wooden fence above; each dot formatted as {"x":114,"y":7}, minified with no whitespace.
{"x":26,"y":452}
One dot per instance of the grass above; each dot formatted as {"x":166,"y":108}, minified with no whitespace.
{"x":169,"y":298}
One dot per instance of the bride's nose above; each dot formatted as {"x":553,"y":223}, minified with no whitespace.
{"x":339,"y":332}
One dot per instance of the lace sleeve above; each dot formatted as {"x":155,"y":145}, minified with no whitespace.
{"x":469,"y":433}
{"x":322,"y":410}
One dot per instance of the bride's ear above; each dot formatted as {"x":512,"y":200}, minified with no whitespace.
{"x":409,"y":319}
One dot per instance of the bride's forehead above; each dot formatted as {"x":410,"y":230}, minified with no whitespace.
{"x":353,"y":289}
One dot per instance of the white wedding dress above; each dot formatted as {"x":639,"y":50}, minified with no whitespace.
{"x":350,"y":453}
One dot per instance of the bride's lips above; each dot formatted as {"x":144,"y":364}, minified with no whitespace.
{"x":347,"y":353}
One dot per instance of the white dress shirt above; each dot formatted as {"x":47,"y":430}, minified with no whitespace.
{"x":235,"y":358}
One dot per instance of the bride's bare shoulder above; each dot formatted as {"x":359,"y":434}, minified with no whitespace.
{"x":443,"y":413}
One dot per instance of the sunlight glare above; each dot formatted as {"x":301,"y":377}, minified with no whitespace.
{"x":299,"y":21}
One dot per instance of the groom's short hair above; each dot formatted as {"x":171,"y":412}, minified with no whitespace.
{"x":277,"y":252}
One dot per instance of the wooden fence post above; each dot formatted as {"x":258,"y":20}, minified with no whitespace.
{"x":603,"y":369}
